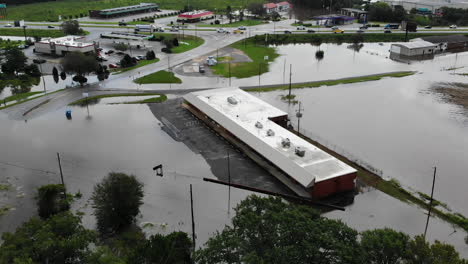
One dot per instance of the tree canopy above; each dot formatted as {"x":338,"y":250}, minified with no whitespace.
{"x":269,"y":230}
{"x":60,"y":239}
{"x":71,"y":27}
{"x":116,"y":202}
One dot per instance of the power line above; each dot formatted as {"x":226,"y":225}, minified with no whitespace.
{"x":27,"y":168}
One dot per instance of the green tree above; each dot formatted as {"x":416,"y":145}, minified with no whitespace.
{"x":121,"y":46}
{"x":229,"y":13}
{"x":380,"y":11}
{"x":127,"y":61}
{"x":60,"y":239}
{"x":150,"y":55}
{"x":51,"y":200}
{"x":421,"y":252}
{"x":79,"y":64}
{"x":384,"y":246}
{"x":173,"y":248}
{"x":104,"y":255}
{"x":15,"y":61}
{"x":116,"y":202}
{"x":72,"y":27}
{"x":269,"y":230}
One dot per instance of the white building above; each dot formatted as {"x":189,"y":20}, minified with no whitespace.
{"x":60,"y":46}
{"x":256,"y":124}
{"x":414,"y":48}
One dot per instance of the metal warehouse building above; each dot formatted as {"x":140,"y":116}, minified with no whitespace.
{"x":450,"y":42}
{"x":124,"y":11}
{"x":414,"y":48}
{"x":257,"y":127}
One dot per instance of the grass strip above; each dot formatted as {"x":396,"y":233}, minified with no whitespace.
{"x":20,"y":96}
{"x":96,"y":97}
{"x":191,"y":43}
{"x":29,"y":99}
{"x":139,"y":64}
{"x":158,"y":77}
{"x":257,"y":66}
{"x":332,"y":82}
{"x":43,"y":33}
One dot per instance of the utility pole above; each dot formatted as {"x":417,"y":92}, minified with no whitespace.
{"x":299,"y":116}
{"x":24,"y":30}
{"x":42,"y":75}
{"x":61,"y":175}
{"x":290,"y":77}
{"x":430,"y":202}
{"x":193,"y":219}
{"x":168,"y":62}
{"x":229,"y":65}
{"x":229,"y":180}
{"x":284,"y":71}
{"x":259,"y":73}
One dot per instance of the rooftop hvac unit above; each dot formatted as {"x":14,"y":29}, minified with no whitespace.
{"x":232,"y":100}
{"x":270,"y":133}
{"x":258,"y":125}
{"x":286,"y":143}
{"x":300,"y":152}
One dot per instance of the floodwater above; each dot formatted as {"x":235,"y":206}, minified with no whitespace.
{"x":123,"y":138}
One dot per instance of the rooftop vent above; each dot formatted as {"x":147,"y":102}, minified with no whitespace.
{"x":270,"y":133}
{"x":300,"y":152}
{"x":286,"y":143}
{"x":232,"y":100}
{"x":258,"y":125}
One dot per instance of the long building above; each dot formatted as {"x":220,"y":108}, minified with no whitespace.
{"x":257,"y":127}
{"x":60,"y":46}
{"x":195,"y":16}
{"x":124,"y":11}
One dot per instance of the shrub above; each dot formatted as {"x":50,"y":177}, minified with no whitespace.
{"x":166,"y":50}
{"x":51,"y":200}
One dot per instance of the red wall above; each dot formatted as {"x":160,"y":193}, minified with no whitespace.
{"x":336,"y":185}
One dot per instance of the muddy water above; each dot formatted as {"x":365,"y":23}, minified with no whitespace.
{"x":114,"y":138}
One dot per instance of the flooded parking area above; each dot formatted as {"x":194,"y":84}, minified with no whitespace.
{"x":124,"y":138}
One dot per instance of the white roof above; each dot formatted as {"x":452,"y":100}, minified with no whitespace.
{"x":241,"y":118}
{"x":416,"y":44}
{"x":68,"y":41}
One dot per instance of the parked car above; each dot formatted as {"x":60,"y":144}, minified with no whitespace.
{"x":140,"y":57}
{"x":453,"y":26}
{"x":287,"y":32}
{"x":120,"y":53}
{"x":8,"y":25}
{"x":387,"y":31}
{"x":39,"y":61}
{"x":109,"y":52}
{"x":242,"y":28}
{"x":301,"y":28}
{"x":174,"y":29}
{"x":220,"y":30}
{"x":338,"y":31}
{"x":428,"y":27}
{"x":159,"y":29}
{"x":113,"y":66}
{"x":201,"y":69}
{"x":50,"y":26}
{"x":101,"y":59}
{"x":310,"y":31}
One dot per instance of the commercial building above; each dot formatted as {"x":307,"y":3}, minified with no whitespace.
{"x":124,"y":11}
{"x":60,"y":46}
{"x":277,"y":7}
{"x":333,"y":19}
{"x":258,"y":129}
{"x":447,"y":43}
{"x":358,"y":14}
{"x":195,"y":16}
{"x":124,"y":35}
{"x":414,"y":48}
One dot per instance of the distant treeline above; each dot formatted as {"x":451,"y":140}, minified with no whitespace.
{"x":22,"y":2}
